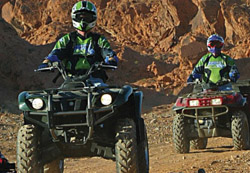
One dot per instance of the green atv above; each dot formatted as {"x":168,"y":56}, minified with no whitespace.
{"x":81,"y":120}
{"x":207,"y":112}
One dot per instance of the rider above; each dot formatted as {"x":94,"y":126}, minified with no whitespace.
{"x":80,"y":49}
{"x":215,"y":67}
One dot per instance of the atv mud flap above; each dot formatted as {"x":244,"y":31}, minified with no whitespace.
{"x":211,"y":130}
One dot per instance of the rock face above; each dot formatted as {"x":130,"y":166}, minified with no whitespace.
{"x":158,"y":42}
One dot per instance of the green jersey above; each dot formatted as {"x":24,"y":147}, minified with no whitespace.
{"x":214,"y":69}
{"x":78,"y":53}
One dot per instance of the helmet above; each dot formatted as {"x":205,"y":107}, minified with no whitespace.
{"x":215,"y":43}
{"x":84,"y":15}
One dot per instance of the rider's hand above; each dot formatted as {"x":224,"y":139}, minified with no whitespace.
{"x":190,"y":79}
{"x":43,"y":65}
{"x":233,"y":77}
{"x":111,"y":61}
{"x":53,"y":58}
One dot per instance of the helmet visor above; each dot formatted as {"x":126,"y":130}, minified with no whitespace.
{"x":216,"y":44}
{"x":85,"y":16}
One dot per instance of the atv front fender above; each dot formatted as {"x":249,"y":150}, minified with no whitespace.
{"x":21,"y":101}
{"x":140,"y":125}
{"x":138,"y":95}
{"x":123,"y":95}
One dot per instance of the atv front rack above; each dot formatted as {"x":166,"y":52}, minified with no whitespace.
{"x":88,"y":115}
{"x":197,"y":115}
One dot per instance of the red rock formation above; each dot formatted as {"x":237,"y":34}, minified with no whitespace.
{"x":170,"y":33}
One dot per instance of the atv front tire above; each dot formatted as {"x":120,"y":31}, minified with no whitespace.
{"x":126,"y":146}
{"x":200,"y":143}
{"x":240,"y":130}
{"x":180,"y":139}
{"x":27,"y":150}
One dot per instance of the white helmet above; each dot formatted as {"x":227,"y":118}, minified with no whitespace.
{"x":84,"y":15}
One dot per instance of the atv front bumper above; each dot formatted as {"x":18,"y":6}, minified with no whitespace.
{"x":203,"y":121}
{"x":88,"y":114}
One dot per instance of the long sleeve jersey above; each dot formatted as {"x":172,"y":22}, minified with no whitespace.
{"x":78,"y":53}
{"x":214,"y":69}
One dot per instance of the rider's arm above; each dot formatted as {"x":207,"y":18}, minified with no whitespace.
{"x":234,"y":74}
{"x":198,"y":70}
{"x":109,"y":56}
{"x":59,"y":51}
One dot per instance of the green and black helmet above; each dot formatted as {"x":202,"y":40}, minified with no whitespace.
{"x":84,"y":15}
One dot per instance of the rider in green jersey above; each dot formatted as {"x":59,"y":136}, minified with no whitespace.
{"x":215,"y":67}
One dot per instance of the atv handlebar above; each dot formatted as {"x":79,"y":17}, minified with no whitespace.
{"x":44,"y":69}
{"x":197,"y":81}
{"x":51,"y":67}
{"x":219,"y":83}
{"x":107,"y":66}
{"x":60,"y":67}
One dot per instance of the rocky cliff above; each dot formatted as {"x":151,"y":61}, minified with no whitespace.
{"x":158,"y":42}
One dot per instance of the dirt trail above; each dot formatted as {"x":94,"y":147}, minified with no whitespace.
{"x":218,"y":157}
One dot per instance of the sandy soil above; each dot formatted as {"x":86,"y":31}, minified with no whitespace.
{"x":219,"y":156}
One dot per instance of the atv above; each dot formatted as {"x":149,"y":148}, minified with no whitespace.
{"x":5,"y":166}
{"x":208,"y":112}
{"x":79,"y":119}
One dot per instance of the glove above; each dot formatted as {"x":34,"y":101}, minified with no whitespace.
{"x":111,"y":60}
{"x":196,"y":76}
{"x":234,"y":75}
{"x":53,"y":58}
{"x":192,"y":77}
{"x":43,"y":65}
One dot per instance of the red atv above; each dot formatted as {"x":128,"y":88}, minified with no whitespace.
{"x":5,"y":166}
{"x":208,"y":112}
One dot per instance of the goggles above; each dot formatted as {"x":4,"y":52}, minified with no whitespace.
{"x":216,"y":44}
{"x":85,"y":16}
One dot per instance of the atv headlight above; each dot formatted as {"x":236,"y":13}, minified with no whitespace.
{"x":193,"y":102}
{"x":217,"y":101}
{"x":37,"y":103}
{"x":106,"y":99}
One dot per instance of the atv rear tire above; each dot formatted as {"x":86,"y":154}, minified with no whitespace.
{"x":200,"y":143}
{"x":143,"y":154}
{"x":180,"y":139}
{"x":56,"y":166}
{"x":126,"y":146}
{"x":27,"y":150}
{"x":240,"y":130}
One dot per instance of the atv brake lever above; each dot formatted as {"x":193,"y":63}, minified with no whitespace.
{"x":45,"y":69}
{"x":107,"y":66}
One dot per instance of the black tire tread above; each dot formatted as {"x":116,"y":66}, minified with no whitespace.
{"x":125,"y":148}
{"x":180,"y":140}
{"x":239,"y":130}
{"x":200,"y":143}
{"x":27,"y":149}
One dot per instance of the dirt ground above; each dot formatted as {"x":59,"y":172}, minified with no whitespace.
{"x":219,"y":156}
